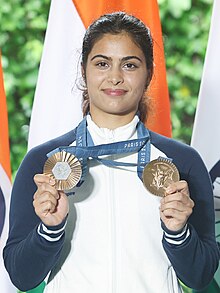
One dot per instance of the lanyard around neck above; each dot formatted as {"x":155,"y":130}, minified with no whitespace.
{"x":85,"y":149}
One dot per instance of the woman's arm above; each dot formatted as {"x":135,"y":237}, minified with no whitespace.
{"x":196,"y":258}
{"x":32,"y":248}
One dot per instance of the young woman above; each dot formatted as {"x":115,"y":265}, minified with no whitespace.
{"x":112,"y":234}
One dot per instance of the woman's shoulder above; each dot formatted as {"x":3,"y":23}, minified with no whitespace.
{"x":187,"y":160}
{"x":36,"y":157}
{"x":46,"y":147}
{"x":173,"y":148}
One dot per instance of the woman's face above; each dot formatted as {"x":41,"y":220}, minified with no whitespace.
{"x":116,"y":77}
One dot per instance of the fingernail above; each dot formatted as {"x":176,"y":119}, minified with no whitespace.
{"x":52,"y":181}
{"x":169,"y":189}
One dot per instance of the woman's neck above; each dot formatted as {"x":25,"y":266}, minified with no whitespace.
{"x":112,"y":121}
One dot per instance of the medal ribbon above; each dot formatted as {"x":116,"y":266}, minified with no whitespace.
{"x":86,"y":149}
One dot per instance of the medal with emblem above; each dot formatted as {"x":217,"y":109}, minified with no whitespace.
{"x":158,"y":174}
{"x":65,"y":169}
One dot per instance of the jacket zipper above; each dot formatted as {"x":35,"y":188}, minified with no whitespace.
{"x":113,"y":230}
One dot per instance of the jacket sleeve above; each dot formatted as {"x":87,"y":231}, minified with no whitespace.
{"x":196,"y":259}
{"x":32,"y":249}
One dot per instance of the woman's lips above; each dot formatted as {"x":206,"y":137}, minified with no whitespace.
{"x":114,"y":92}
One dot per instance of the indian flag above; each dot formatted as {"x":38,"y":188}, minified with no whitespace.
{"x":206,"y":131}
{"x":5,"y":184}
{"x":57,"y":101}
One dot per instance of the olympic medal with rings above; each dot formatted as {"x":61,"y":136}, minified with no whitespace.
{"x":64,"y":168}
{"x":158,"y":174}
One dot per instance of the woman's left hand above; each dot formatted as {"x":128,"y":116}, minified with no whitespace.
{"x":176,"y":206}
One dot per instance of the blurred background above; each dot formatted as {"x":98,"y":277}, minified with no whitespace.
{"x":185,"y":26}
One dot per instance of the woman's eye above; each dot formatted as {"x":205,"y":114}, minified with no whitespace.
{"x":130,"y":66}
{"x":102,"y":64}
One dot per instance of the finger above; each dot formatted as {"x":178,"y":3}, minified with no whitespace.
{"x":173,"y":223}
{"x":177,"y":196}
{"x":45,"y":208}
{"x":39,"y":179}
{"x":174,"y":205}
{"x":181,"y":203}
{"x":177,"y":186}
{"x":165,"y":218}
{"x":47,"y":196}
{"x":177,"y":215}
{"x":45,"y":199}
{"x":46,"y":188}
{"x":173,"y":220}
{"x":176,"y":210}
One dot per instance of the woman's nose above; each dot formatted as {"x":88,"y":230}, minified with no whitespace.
{"x":115,"y":76}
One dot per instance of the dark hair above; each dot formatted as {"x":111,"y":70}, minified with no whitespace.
{"x":116,"y":23}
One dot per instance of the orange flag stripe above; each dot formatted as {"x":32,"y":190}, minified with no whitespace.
{"x":148,"y":11}
{"x":4,"y":138}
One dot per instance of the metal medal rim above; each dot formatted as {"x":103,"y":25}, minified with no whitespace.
{"x":74,"y":164}
{"x":147,"y":173}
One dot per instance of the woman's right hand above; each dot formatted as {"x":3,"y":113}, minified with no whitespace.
{"x":50,"y":205}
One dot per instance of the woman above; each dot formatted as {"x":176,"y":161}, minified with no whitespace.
{"x":113,"y":235}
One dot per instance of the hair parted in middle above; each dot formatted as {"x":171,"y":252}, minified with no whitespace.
{"x":117,"y":23}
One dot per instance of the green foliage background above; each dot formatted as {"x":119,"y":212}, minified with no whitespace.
{"x":185,"y":26}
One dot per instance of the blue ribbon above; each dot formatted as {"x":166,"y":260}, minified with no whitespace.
{"x":86,"y":149}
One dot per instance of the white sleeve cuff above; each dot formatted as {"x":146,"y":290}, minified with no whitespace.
{"x":50,"y":235}
{"x":177,"y":239}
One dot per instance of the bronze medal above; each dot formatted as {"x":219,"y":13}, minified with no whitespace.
{"x":158,"y":174}
{"x":65,"y":168}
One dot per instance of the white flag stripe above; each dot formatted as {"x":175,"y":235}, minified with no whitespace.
{"x":206,"y":131}
{"x":57,"y":102}
{"x":5,"y":184}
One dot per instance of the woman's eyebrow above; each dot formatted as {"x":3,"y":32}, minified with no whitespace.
{"x":101,"y":56}
{"x":131,"y":57}
{"x":123,"y":59}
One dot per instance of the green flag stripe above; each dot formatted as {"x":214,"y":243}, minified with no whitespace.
{"x":38,"y":289}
